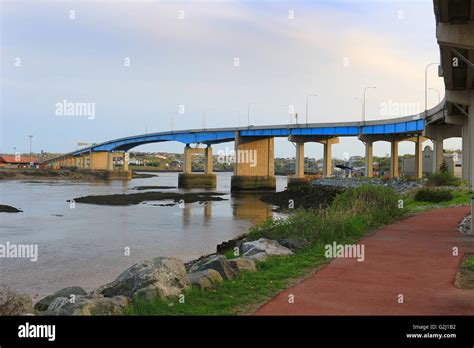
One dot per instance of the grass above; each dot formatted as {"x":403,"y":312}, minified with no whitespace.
{"x":433,"y":195}
{"x":352,"y":215}
{"x":469,"y":263}
{"x":461,"y":197}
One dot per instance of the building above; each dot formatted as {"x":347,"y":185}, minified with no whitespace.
{"x":18,"y":161}
{"x":452,"y":160}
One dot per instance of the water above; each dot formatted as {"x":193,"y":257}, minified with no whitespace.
{"x":86,"y":246}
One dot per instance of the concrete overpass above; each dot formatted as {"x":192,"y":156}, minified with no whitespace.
{"x":254,"y":145}
{"x":254,"y":148}
{"x":455,"y":35}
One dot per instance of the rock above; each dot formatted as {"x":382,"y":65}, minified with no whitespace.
{"x":205,"y":279}
{"x":215,"y":262}
{"x":270,"y":247}
{"x":13,"y":303}
{"x":44,"y":303}
{"x":256,"y":255}
{"x":465,"y":225}
{"x":88,"y":305}
{"x":230,"y":244}
{"x":162,"y":276}
{"x":294,"y":244}
{"x":243,"y":264}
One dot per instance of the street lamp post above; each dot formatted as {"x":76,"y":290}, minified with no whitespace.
{"x":363,"y":102}
{"x":307,"y":98}
{"x":248,"y":112}
{"x":31,"y":138}
{"x":426,"y":86}
{"x":437,"y":91}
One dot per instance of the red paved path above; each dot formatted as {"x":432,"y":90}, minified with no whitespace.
{"x":412,"y":257}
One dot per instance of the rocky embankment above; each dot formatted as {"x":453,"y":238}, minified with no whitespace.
{"x":163,"y":277}
{"x":305,"y":197}
{"x":399,"y":185}
{"x":137,"y":198}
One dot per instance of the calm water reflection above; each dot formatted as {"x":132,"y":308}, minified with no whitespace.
{"x":85,"y":246}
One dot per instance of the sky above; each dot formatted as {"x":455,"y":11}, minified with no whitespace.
{"x":147,"y":66}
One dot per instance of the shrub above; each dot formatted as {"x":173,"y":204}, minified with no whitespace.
{"x":443,"y":177}
{"x":350,"y":214}
{"x":433,"y":195}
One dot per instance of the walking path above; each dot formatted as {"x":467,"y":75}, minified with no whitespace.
{"x":413,"y":257}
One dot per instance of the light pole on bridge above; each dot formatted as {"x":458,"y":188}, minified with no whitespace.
{"x":437,"y":92}
{"x":426,"y":86}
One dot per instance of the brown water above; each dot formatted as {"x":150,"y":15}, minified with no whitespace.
{"x":85,"y":246}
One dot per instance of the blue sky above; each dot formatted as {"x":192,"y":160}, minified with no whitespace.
{"x":190,"y":62}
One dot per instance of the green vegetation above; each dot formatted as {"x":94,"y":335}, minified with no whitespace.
{"x":433,"y":195}
{"x":443,"y":177}
{"x":460,"y":197}
{"x":469,"y":263}
{"x":353,"y":214}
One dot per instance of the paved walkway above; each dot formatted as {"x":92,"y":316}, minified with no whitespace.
{"x":412,"y":257}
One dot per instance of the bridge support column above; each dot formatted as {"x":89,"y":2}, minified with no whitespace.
{"x":369,"y":159}
{"x":188,"y":179}
{"x":438,"y":154}
{"x":327,"y":156}
{"x":394,"y":159}
{"x":254,"y":164}
{"x":209,"y":161}
{"x":418,"y":158}
{"x":299,"y":164}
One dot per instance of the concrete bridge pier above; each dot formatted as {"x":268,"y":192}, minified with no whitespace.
{"x":299,"y":141}
{"x":188,"y":179}
{"x":327,"y":155}
{"x":369,"y":159}
{"x":254,"y":164}
{"x":437,"y":134}
{"x":394,"y":140}
{"x":394,"y":159}
{"x":419,"y":157}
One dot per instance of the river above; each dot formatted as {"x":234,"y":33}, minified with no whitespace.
{"x":85,"y":245}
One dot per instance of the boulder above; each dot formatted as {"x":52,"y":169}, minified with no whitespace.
{"x":256,"y":255}
{"x":218,"y":263}
{"x":163,"y":277}
{"x":270,"y":247}
{"x":294,"y":244}
{"x":44,"y":303}
{"x":88,"y":305}
{"x":13,"y":303}
{"x":205,"y":279}
{"x":243,"y":264}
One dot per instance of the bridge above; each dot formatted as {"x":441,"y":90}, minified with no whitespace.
{"x":254,"y":145}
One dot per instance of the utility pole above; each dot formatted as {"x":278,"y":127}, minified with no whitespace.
{"x":31,"y":138}
{"x":426,"y":86}
{"x":363,"y":104}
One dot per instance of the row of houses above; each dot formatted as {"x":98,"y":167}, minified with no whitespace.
{"x":18,"y":161}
